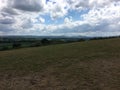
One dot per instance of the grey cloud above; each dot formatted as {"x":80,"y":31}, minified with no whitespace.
{"x":27,"y":24}
{"x":74,"y":29}
{"x":27,"y":5}
{"x":7,"y":21}
{"x":81,"y":4}
{"x":102,"y":26}
{"x":6,"y":28}
{"x":9,"y":11}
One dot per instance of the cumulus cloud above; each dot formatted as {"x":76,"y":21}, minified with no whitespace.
{"x":26,"y":24}
{"x":58,"y":8}
{"x":7,"y":21}
{"x":6,"y":18}
{"x":9,"y":11}
{"x":29,"y":16}
{"x":3,"y":3}
{"x":6,"y":28}
{"x":42,"y":20}
{"x":68,"y":20}
{"x":28,"y":5}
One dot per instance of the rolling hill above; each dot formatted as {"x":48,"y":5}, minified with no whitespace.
{"x":89,"y":65}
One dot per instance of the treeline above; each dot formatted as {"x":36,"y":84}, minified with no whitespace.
{"x":8,"y":44}
{"x":14,"y":43}
{"x":99,"y":38}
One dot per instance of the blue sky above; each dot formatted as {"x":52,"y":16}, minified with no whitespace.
{"x":60,"y":17}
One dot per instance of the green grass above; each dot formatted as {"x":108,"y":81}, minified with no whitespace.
{"x":90,"y":65}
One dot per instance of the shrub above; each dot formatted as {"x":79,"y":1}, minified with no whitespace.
{"x":16,"y":45}
{"x":45,"y":41}
{"x":4,"y":48}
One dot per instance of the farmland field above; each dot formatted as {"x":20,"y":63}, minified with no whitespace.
{"x":89,"y":65}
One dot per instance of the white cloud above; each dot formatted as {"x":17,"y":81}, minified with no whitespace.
{"x":24,"y":16}
{"x":3,"y":3}
{"x":42,"y":20}
{"x":110,"y":14}
{"x":57,"y":8}
{"x":68,"y":20}
{"x":101,"y":20}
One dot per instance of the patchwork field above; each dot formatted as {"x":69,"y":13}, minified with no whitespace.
{"x":89,"y":65}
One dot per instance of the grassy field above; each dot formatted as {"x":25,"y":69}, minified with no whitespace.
{"x":89,"y":65}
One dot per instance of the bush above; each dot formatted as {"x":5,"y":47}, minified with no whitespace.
{"x":80,"y":40}
{"x":45,"y":41}
{"x":16,"y":45}
{"x":4,"y":48}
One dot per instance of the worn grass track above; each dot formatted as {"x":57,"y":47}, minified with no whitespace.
{"x":90,"y":65}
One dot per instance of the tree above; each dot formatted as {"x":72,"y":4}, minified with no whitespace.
{"x":45,"y":41}
{"x":16,"y":45}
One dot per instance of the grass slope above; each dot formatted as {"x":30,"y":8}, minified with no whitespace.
{"x":90,"y":65}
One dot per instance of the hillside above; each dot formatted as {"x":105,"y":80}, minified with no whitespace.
{"x":89,"y":65}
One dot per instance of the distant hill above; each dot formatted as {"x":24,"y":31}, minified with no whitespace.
{"x":49,"y":37}
{"x":56,"y":37}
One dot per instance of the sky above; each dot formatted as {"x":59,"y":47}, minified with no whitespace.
{"x":60,"y":17}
